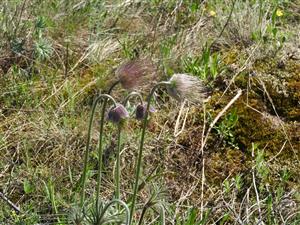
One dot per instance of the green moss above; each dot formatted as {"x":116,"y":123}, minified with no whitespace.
{"x":282,"y":83}
{"x":256,"y":127}
{"x":231,"y":56}
{"x":222,"y":164}
{"x":277,"y":137}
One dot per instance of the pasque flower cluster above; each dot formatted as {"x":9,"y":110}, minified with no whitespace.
{"x":131,"y":75}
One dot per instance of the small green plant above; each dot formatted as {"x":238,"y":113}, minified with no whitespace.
{"x":128,"y":49}
{"x":165,"y":48}
{"x":103,"y":213}
{"x":270,"y":209}
{"x":238,"y":182}
{"x":226,"y":185}
{"x":22,"y":219}
{"x":39,"y":26}
{"x":285,"y":175}
{"x":154,"y":204}
{"x":261,"y":165}
{"x":191,"y":217}
{"x":279,"y":37}
{"x":28,"y":187}
{"x":225,"y":129}
{"x":51,"y":195}
{"x":43,"y":49}
{"x":206,"y":67}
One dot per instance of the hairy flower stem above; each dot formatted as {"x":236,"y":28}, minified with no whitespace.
{"x":118,"y":172}
{"x":100,"y":149}
{"x":118,"y":167}
{"x":162,"y":218}
{"x":132,"y":94}
{"x":140,"y":152}
{"x":112,"y":87}
{"x":86,"y":155}
{"x":119,"y":203}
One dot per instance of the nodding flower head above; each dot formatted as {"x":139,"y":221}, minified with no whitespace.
{"x":184,"y":86}
{"x":117,"y":114}
{"x":136,"y":73}
{"x":140,"y":111}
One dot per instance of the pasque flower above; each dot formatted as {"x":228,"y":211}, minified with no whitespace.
{"x":136,"y":72}
{"x":180,"y":86}
{"x":184,"y":86}
{"x":140,"y":111}
{"x":117,"y":114}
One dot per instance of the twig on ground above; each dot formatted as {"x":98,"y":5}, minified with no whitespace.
{"x":176,"y":132}
{"x":219,"y":116}
{"x":256,"y":191}
{"x":183,"y":197}
{"x":203,"y":161}
{"x":237,"y":217}
{"x":281,"y":123}
{"x":204,"y":140}
{"x":10,"y":203}
{"x":274,"y":157}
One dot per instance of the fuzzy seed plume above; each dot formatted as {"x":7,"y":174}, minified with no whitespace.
{"x":136,"y":73}
{"x":185,"y":86}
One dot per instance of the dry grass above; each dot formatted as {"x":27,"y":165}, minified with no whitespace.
{"x":45,"y":104}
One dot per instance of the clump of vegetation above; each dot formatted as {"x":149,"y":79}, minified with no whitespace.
{"x":198,"y":120}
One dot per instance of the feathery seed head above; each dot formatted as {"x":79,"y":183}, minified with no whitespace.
{"x":184,"y":86}
{"x":117,"y":114}
{"x":135,"y":73}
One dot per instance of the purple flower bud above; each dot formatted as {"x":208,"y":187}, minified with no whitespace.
{"x":135,"y":73}
{"x":187,"y":87}
{"x":117,"y":114}
{"x":140,"y":111}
